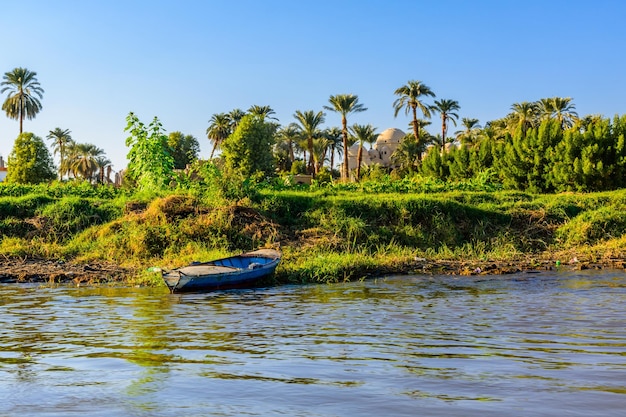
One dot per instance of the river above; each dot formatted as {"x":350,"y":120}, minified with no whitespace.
{"x":544,"y":344}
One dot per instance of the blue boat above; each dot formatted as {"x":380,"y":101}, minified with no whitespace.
{"x":240,"y":271}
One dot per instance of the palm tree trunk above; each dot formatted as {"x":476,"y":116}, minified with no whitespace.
{"x":443,"y":133}
{"x":213,"y":150}
{"x":358,"y":163}
{"x":332,"y":158}
{"x":344,"y":133}
{"x":416,"y":131}
{"x":311,"y":164}
{"x":61,"y":164}
{"x":21,"y":110}
{"x":291,"y":154}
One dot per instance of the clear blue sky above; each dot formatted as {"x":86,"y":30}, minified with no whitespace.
{"x":184,"y":60}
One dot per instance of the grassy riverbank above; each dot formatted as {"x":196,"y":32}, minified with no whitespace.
{"x":326,"y":235}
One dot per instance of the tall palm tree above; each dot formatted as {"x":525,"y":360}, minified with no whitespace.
{"x":447,"y":109}
{"x":220,"y":127}
{"x":265,"y":112}
{"x":363,"y":134}
{"x":61,"y":138}
{"x":309,"y":125}
{"x":524,"y":116}
{"x":345,"y":104}
{"x":410,"y":99}
{"x":22,"y":100}
{"x":335,"y":138}
{"x":468,"y":136}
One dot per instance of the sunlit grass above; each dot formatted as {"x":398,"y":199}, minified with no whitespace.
{"x":326,"y":234}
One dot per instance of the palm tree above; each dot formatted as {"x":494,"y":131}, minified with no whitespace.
{"x":300,"y":146}
{"x":23,"y":90}
{"x":498,"y":129}
{"x":289,"y":134}
{"x":265,"y":112}
{"x":447,"y":109}
{"x":219,"y":129}
{"x":345,"y":104}
{"x":61,"y":139}
{"x":409,"y":99}
{"x":469,"y":136}
{"x":320,"y":148}
{"x":585,"y":124}
{"x":421,"y":124}
{"x":335,"y":138}
{"x":81,"y":160}
{"x":545,"y":108}
{"x":309,"y":128}
{"x":235,"y":116}
{"x":564,"y":111}
{"x":103,"y":163}
{"x":408,"y":154}
{"x":363,"y":134}
{"x":524,"y":116}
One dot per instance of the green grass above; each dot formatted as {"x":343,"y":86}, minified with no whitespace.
{"x":326,"y":234}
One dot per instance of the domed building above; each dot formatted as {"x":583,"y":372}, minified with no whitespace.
{"x":386,"y":144}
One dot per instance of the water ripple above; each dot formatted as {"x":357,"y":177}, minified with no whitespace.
{"x":548,"y":344}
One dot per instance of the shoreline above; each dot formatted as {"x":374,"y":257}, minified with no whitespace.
{"x":38,"y":270}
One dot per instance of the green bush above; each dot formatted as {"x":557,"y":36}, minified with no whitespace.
{"x":70,"y":215}
{"x":591,"y":227}
{"x":23,"y":206}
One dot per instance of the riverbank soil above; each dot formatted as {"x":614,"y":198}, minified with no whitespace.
{"x":33,"y":270}
{"x":13,"y":269}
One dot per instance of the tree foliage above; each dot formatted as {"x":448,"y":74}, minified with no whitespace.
{"x":447,"y":109}
{"x":248,"y":151}
{"x":220,"y":127}
{"x":150,"y":161}
{"x":345,"y":104}
{"x":61,"y":140}
{"x":410,"y":99}
{"x":185,"y":149}
{"x":362,"y":134}
{"x":24,"y":94}
{"x":83,"y":161}
{"x":543,"y":158}
{"x":30,"y":161}
{"x":309,"y":126}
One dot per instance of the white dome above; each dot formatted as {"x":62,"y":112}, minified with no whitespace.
{"x":391,"y":135}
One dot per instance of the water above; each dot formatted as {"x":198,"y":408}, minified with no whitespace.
{"x":550,"y":344}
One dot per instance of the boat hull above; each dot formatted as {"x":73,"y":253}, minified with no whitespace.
{"x":239,"y":271}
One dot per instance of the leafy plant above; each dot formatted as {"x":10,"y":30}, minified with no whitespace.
{"x":30,"y":161}
{"x":150,"y":161}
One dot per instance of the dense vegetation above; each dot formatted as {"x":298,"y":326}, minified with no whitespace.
{"x":545,"y":158}
{"x":478,"y":196}
{"x":327,"y":233}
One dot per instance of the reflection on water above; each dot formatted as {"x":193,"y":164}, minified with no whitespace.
{"x":550,"y":344}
